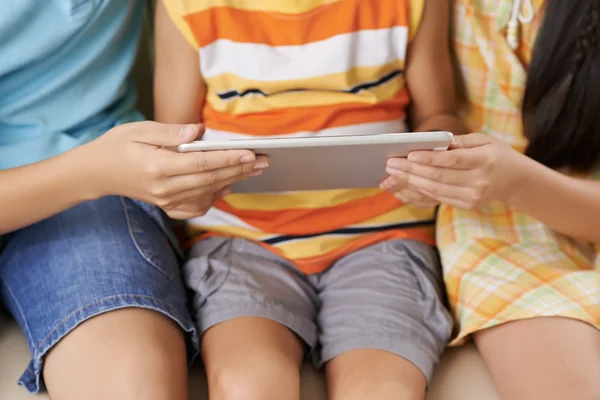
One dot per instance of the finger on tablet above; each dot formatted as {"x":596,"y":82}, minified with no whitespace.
{"x":206,"y":161}
{"x":208,"y":182}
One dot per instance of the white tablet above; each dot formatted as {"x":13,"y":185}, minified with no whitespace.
{"x":325,"y":162}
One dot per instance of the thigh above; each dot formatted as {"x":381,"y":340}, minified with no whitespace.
{"x":387,"y":297}
{"x":235,"y":278}
{"x":99,"y":256}
{"x":543,"y":358}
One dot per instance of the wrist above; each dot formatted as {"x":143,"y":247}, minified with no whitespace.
{"x":530,"y":178}
{"x":82,"y":174}
{"x":443,"y":122}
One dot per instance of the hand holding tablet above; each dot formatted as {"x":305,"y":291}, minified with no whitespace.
{"x":325,"y":162}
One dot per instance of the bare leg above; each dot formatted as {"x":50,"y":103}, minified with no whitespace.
{"x":543,"y":358}
{"x":127,"y":354}
{"x":252,"y":358}
{"x":374,"y":374}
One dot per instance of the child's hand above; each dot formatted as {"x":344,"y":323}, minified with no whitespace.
{"x":476,"y":170}
{"x":398,"y":187}
{"x":136,"y":160}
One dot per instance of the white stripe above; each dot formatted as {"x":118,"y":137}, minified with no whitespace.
{"x":215,"y":217}
{"x":373,"y":128}
{"x":366,"y":48}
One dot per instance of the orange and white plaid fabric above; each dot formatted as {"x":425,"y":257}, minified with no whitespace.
{"x":501,"y":265}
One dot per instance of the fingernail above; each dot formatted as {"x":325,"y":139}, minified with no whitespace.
{"x":399,"y":164}
{"x":395,"y":172}
{"x":187,"y":131}
{"x":414,"y":158}
{"x":225,"y":192}
{"x":248,"y":159}
{"x":257,"y":172}
{"x":261,"y":165}
{"x":394,"y":163}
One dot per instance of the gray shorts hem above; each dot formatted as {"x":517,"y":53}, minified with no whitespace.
{"x":398,"y":344}
{"x":303,"y":327}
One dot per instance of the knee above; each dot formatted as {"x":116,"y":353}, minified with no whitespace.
{"x":580,"y":388}
{"x":120,"y":355}
{"x":154,"y":366}
{"x":363,"y":374}
{"x":151,"y":364}
{"x":579,"y":392}
{"x":589,"y":392}
{"x":258,"y":382}
{"x":236,"y":384}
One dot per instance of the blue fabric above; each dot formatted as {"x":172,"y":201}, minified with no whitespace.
{"x":96,"y":257}
{"x":63,"y":74}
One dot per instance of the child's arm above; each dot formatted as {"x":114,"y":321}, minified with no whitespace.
{"x":566,"y":204}
{"x":129,"y":160}
{"x":178,"y":85}
{"x":480,"y":169}
{"x":430,"y":82}
{"x":429,"y":73}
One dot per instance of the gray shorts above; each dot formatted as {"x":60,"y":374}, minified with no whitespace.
{"x":387,"y":296}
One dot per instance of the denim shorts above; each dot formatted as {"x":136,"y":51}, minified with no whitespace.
{"x":99,"y":256}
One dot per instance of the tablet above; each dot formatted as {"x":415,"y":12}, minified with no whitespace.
{"x":324,"y":162}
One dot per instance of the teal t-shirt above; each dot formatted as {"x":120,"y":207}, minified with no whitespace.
{"x":64,"y":67}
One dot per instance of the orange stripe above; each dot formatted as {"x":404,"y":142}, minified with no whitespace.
{"x":306,"y":221}
{"x":284,"y":30}
{"x":311,"y":119}
{"x":318,"y":264}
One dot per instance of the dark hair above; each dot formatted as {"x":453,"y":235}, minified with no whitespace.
{"x":561,"y":108}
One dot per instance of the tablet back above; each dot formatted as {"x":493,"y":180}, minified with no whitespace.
{"x":321,"y":168}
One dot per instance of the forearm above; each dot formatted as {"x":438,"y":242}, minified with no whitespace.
{"x":443,"y":122}
{"x":32,"y":193}
{"x":179,"y":90}
{"x":430,"y":76}
{"x":566,"y":204}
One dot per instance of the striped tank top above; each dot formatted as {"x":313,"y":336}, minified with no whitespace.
{"x":292,"y":68}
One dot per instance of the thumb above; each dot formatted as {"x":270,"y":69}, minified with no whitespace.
{"x":169,"y":135}
{"x":469,"y":141}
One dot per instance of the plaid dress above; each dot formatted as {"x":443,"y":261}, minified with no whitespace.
{"x":501,"y":265}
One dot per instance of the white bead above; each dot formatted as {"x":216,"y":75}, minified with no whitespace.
{"x":512,"y":35}
{"x":516,"y":18}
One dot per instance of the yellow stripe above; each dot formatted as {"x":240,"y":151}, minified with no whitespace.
{"x":275,"y":6}
{"x":399,"y":215}
{"x":195,"y":230}
{"x":416,"y":15}
{"x":340,"y":81}
{"x":298,"y":200}
{"x":296,"y":249}
{"x":257,"y":103}
{"x":314,"y":247}
{"x":402,"y":214}
{"x":176,"y":11}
